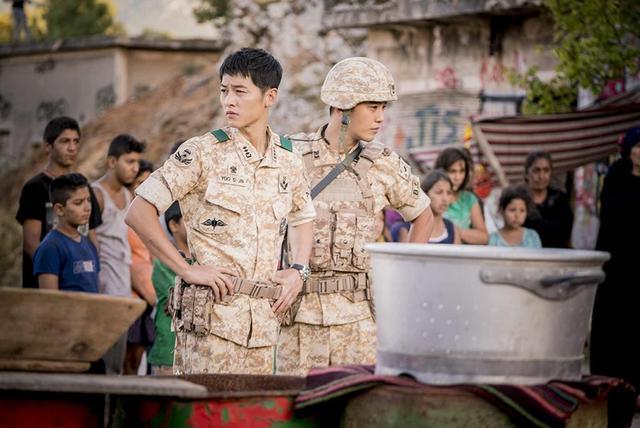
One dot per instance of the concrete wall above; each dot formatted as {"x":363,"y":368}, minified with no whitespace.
{"x":35,"y":88}
{"x":449,"y":72}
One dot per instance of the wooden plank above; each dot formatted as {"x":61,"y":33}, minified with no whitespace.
{"x":44,"y":366}
{"x":62,"y":326}
{"x":101,"y":384}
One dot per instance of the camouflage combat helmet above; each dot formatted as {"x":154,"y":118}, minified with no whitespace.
{"x":356,"y":80}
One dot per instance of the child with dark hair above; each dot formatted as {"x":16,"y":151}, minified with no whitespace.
{"x":61,"y":139}
{"x":438,"y":186}
{"x":65,"y":259}
{"x":123,"y":164}
{"x":465,"y":210}
{"x":514,"y":205}
{"x":163,"y":278}
{"x":141,"y":335}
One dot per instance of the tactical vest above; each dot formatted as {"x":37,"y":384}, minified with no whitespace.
{"x":346,"y":215}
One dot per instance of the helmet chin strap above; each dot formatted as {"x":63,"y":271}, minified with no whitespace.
{"x":344,"y":124}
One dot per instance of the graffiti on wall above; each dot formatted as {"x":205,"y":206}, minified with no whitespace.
{"x":430,"y":125}
{"x":45,"y":66}
{"x":436,"y":125}
{"x":5,"y":108}
{"x":492,"y":71}
{"x":105,"y":98}
{"x":47,"y":110}
{"x":448,"y":79}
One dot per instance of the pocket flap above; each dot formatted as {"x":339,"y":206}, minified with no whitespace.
{"x":225,"y":196}
{"x":345,"y":231}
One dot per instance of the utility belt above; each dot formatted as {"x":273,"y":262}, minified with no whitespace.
{"x":192,"y":305}
{"x":355,"y":286}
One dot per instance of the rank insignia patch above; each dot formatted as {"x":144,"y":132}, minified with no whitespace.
{"x":283,"y":184}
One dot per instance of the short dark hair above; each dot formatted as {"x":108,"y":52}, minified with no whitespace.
{"x":57,"y":126}
{"x":123,"y":144}
{"x":451,"y":155}
{"x":172,"y":213}
{"x":534,"y":156}
{"x":433,"y":177}
{"x":62,"y":187}
{"x":259,"y":65}
{"x":514,"y":192}
{"x":145,"y":166}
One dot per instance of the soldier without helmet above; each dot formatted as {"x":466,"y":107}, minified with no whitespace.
{"x":237,"y":186}
{"x":334,"y":323}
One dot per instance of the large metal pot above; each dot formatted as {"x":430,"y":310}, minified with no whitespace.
{"x":456,"y":314}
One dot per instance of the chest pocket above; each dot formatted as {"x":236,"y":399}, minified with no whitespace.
{"x":321,"y":249}
{"x":224,"y":206}
{"x":343,"y":239}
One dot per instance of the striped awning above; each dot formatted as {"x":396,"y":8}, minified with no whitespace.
{"x":573,"y":139}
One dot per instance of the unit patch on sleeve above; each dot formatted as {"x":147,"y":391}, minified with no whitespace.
{"x":404,"y":170}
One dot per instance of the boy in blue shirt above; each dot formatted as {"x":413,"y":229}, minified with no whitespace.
{"x":65,"y":259}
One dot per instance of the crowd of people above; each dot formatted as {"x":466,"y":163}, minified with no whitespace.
{"x":202,"y":238}
{"x":533,"y":215}
{"x":75,"y":237}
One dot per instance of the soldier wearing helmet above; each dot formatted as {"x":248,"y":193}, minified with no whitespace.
{"x":334,"y":317}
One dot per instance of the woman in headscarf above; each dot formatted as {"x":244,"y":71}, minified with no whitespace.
{"x":551,"y":214}
{"x":616,"y":316}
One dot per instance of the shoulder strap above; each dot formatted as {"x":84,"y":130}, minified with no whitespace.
{"x":335,"y":172}
{"x":220,"y":135}
{"x":370,"y":153}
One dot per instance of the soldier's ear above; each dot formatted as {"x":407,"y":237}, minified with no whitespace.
{"x":270,"y":97}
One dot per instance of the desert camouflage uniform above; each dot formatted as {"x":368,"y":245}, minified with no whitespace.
{"x":235,"y":204}
{"x":338,"y":328}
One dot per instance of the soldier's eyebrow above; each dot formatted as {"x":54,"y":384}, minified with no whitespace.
{"x":232,"y":86}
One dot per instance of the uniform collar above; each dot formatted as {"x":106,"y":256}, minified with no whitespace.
{"x":247,"y":152}
{"x":322,"y":152}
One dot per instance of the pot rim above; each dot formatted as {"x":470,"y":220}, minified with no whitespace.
{"x":484,"y":252}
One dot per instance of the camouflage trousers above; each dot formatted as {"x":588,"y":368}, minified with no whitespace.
{"x":213,"y":354}
{"x":304,"y":346}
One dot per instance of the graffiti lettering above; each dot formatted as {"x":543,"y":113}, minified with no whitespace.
{"x":44,"y":66}
{"x":5,"y":108}
{"x":47,"y":110}
{"x":430,"y":118}
{"x":448,"y":79}
{"x":105,"y":98}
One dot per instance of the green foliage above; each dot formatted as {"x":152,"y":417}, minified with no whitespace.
{"x":5,"y":27}
{"x":76,"y":18}
{"x":216,"y":11}
{"x":555,"y":96}
{"x":595,"y":41}
{"x":150,"y":33}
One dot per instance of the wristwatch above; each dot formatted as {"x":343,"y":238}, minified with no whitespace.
{"x":303,"y":270}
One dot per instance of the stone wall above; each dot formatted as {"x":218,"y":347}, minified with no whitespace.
{"x":450,"y":72}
